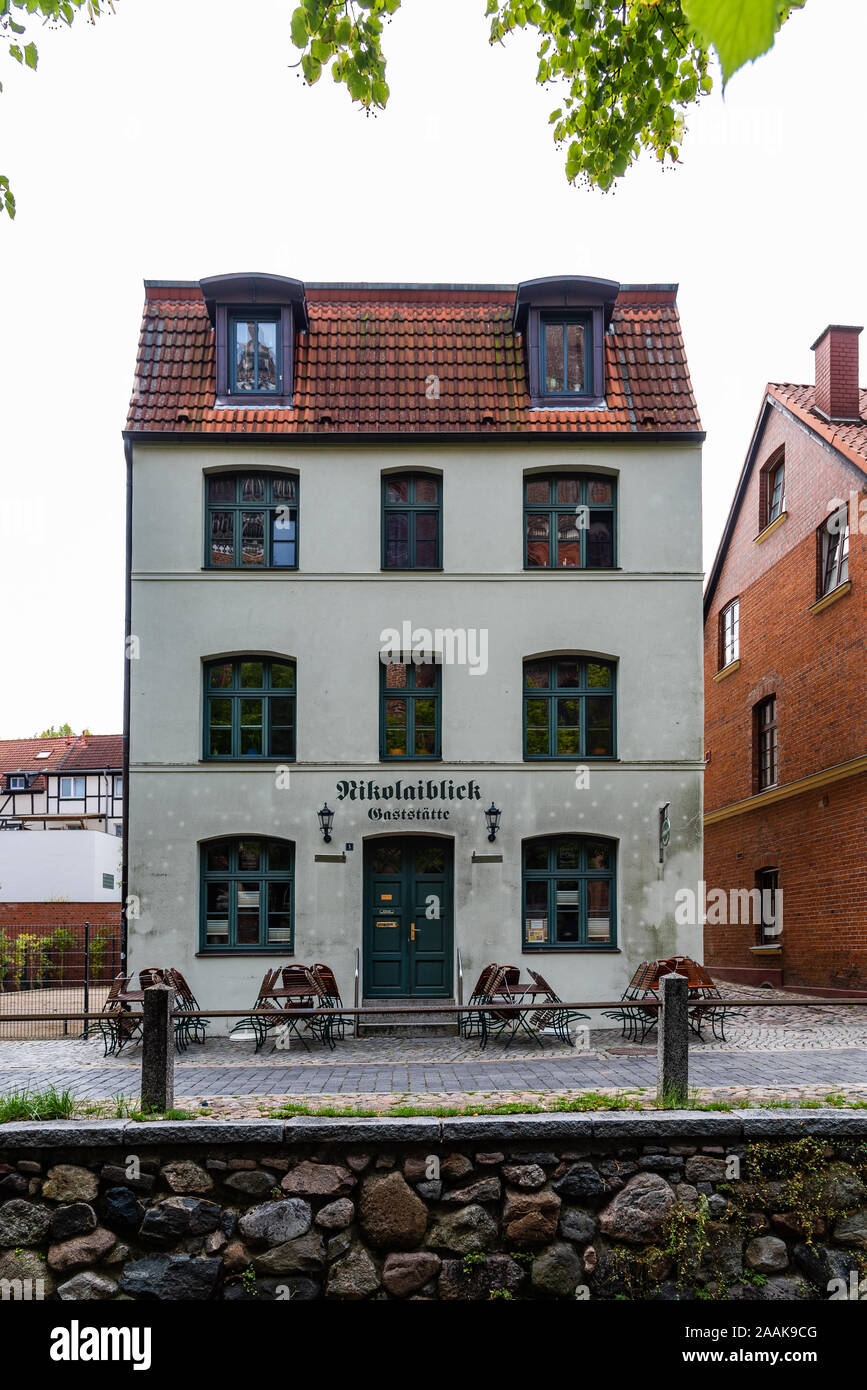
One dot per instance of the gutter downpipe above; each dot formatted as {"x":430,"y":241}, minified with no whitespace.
{"x":124,"y":877}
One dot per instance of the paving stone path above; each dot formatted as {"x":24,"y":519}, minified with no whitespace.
{"x":774,"y":1051}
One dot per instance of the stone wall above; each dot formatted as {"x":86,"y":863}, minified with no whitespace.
{"x":743,"y":1206}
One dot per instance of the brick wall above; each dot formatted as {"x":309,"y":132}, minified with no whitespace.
{"x":818,"y":850}
{"x":44,"y":919}
{"x":816,"y":665}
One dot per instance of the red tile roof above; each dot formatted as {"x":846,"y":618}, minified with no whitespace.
{"x":363,"y":365}
{"x":95,"y":751}
{"x":91,"y":752}
{"x":848,"y":437}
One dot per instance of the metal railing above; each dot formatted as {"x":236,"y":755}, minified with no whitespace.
{"x":52,"y":971}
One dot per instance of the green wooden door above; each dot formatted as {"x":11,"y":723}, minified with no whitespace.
{"x":408,"y":917}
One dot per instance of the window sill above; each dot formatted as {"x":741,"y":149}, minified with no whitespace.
{"x":728,"y":670}
{"x":827,"y":599}
{"x":413,"y":762}
{"x":249,"y":569}
{"x":270,"y":761}
{"x":569,"y":401}
{"x":572,"y":950}
{"x":776,"y":950}
{"x":571,"y":758}
{"x":770,"y":528}
{"x":244,"y":953}
{"x":256,"y":400}
{"x":572,"y":569}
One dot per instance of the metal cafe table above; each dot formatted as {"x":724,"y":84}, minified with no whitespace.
{"x":705,"y":1003}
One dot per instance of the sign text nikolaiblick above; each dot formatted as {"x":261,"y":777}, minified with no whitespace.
{"x":423,"y":790}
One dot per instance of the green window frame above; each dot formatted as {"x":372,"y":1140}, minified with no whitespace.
{"x":412,"y":521}
{"x":255,"y":354}
{"x":569,"y":708}
{"x":568,"y":893}
{"x":251,"y":520}
{"x":410,"y":711}
{"x":247,"y":895}
{"x":570,"y":521}
{"x":566,"y":355}
{"x":250,"y":708}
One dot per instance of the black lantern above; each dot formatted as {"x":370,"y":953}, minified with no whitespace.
{"x":492,"y":820}
{"x":326,"y":820}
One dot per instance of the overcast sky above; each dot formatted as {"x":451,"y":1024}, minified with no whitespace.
{"x":173,"y":141}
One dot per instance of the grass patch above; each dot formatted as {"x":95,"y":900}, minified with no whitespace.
{"x":589,"y":1100}
{"x":27,"y":1104}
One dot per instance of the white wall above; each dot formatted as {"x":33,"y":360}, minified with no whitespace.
{"x":328,"y":616}
{"x":41,"y":866}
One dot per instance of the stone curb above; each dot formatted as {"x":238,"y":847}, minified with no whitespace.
{"x":62,"y":1134}
{"x":411,"y":1129}
{"x":622,"y":1126}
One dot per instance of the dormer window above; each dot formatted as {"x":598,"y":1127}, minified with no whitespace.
{"x":255,"y":364}
{"x":566,"y":363}
{"x":256,"y":319}
{"x":563,"y":321}
{"x":17,"y":783}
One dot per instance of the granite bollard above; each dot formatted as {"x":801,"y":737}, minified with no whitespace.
{"x":158,"y":1052}
{"x":672,"y":1050}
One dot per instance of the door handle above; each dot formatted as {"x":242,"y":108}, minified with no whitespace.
{"x":412,"y":931}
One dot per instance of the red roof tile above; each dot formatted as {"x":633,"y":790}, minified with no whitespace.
{"x":364,"y":363}
{"x":849,"y":437}
{"x":92,"y":752}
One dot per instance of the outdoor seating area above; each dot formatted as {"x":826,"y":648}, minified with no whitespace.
{"x":706,"y":1004}
{"x":291,"y":987}
{"x":501,"y":984}
{"x":303,"y":1002}
{"x":118,"y":1028}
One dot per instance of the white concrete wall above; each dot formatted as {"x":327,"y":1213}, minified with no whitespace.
{"x":51,"y":865}
{"x":329,"y":615}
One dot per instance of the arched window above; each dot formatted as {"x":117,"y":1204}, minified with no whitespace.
{"x":568,"y":708}
{"x":252,"y":521}
{"x":247,"y":894}
{"x":411,"y":521}
{"x":250,"y":708}
{"x":568,"y":522}
{"x":410,"y":719}
{"x":568,"y":893}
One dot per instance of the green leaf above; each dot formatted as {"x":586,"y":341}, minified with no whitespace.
{"x":299,"y":28}
{"x":15,"y":52}
{"x":380,"y":92}
{"x":739,"y":30}
{"x":311,"y":68}
{"x":30,"y":56}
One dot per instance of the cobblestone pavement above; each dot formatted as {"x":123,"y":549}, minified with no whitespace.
{"x":782,"y":1053}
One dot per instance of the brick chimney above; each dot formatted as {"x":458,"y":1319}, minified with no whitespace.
{"x":836,"y":350}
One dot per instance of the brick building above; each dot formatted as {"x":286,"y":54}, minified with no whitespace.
{"x":785,"y":682}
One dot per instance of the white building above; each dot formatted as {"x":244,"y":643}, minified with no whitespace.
{"x":84,"y":867}
{"x":70,"y":782}
{"x":496,"y":491}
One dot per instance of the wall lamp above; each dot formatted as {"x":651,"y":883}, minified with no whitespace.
{"x":326,"y":820}
{"x":492,"y":821}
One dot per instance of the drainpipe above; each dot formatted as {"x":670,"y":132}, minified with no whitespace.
{"x":107,"y":789}
{"x":124,"y":872}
